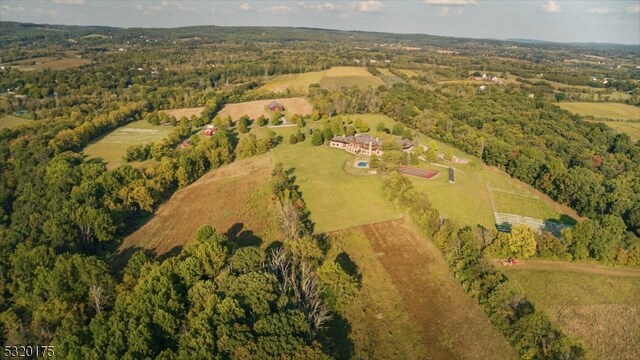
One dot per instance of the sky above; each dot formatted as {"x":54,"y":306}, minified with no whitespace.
{"x":551,"y":20}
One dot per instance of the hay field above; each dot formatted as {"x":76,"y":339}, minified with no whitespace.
{"x":235,"y":198}
{"x":388,"y":77}
{"x":596,"y":304}
{"x":630,"y":128}
{"x":254,"y":109}
{"x":332,"y":78}
{"x":409,"y":306}
{"x":409,"y":73}
{"x":50,"y":63}
{"x":10,"y":121}
{"x":113,"y":146}
{"x":611,"y":111}
{"x":298,"y":82}
{"x":188,"y":112}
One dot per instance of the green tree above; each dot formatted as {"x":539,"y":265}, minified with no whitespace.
{"x":522,"y":241}
{"x":316,"y":138}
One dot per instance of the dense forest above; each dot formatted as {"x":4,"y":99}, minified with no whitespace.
{"x":62,"y":215}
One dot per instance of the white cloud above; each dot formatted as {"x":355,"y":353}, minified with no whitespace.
{"x":369,"y":6}
{"x":245,"y":6}
{"x":450,"y":2}
{"x":69,"y":2}
{"x":599,"y":11}
{"x":279,"y":10}
{"x":551,"y":7}
{"x":150,"y":8}
{"x":634,"y":9}
{"x":447,"y":11}
{"x":53,"y":13}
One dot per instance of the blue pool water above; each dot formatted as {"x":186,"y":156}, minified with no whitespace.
{"x":362,"y":164}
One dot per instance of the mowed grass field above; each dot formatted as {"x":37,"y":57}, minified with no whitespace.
{"x":50,"y":63}
{"x":468,"y":201}
{"x":234,"y":199}
{"x":630,"y":128}
{"x":187,"y":112}
{"x":335,"y":198}
{"x":332,"y":78}
{"x":11,"y":121}
{"x":113,"y":146}
{"x":596,"y":304}
{"x":613,"y":111}
{"x":409,"y":73}
{"x":409,"y":305}
{"x":254,"y":109}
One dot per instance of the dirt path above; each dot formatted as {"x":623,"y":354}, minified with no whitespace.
{"x":452,"y":324}
{"x":579,"y":267}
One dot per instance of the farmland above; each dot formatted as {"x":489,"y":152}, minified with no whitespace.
{"x":596,"y":304}
{"x":409,"y":305}
{"x":186,"y":112}
{"x":254,"y":109}
{"x":52,"y":63}
{"x":233,"y":199}
{"x":10,"y":121}
{"x":630,"y":128}
{"x":611,"y":111}
{"x":409,"y":73}
{"x":332,"y":78}
{"x":112,"y":147}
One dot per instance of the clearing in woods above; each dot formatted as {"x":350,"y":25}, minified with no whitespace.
{"x":332,"y":78}
{"x":187,"y":112}
{"x":112,"y":147}
{"x":233,"y":199}
{"x":52,"y":63}
{"x":254,"y":109}
{"x":409,"y":306}
{"x":597,"y":304}
{"x":611,"y":111}
{"x":11,"y":121}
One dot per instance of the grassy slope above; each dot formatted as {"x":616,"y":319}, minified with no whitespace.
{"x":293,"y":81}
{"x":410,"y":307}
{"x":113,"y":146}
{"x":11,"y":121}
{"x":188,"y":112}
{"x":235,"y":194}
{"x":611,"y":111}
{"x":599,"y":305}
{"x":629,"y":128}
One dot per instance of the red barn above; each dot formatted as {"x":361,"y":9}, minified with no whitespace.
{"x":274,"y":106}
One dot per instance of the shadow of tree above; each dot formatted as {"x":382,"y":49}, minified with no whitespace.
{"x":335,"y":338}
{"x":349,"y":266}
{"x":241,"y":237}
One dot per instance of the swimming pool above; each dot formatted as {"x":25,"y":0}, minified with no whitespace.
{"x":362,"y":164}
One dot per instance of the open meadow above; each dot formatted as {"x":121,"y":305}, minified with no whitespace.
{"x":595,"y":304}
{"x":613,"y":111}
{"x":233,"y":199}
{"x":332,"y":78}
{"x":409,"y":305}
{"x":52,"y":63}
{"x":254,"y":109}
{"x":112,"y":147}
{"x":10,"y":121}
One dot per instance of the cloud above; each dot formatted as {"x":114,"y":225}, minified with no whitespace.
{"x":551,"y":7}
{"x":450,"y":2}
{"x":245,"y":6}
{"x":634,"y":9}
{"x":279,"y":10}
{"x":69,"y":2}
{"x":447,"y":11}
{"x":599,"y":11}
{"x":369,"y":6}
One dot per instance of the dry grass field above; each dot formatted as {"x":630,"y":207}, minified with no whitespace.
{"x":630,"y":128}
{"x":11,"y":121}
{"x":409,"y":73}
{"x":50,"y":63}
{"x":234,"y":198}
{"x":409,"y":306}
{"x":613,"y":111}
{"x":188,"y":112}
{"x":113,"y":146}
{"x":332,"y":78}
{"x":254,"y":109}
{"x":599,"y":305}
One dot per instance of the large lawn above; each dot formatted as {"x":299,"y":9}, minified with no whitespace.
{"x":112,"y":147}
{"x":254,"y":109}
{"x":596,"y":304}
{"x":332,"y":78}
{"x":11,"y":121}
{"x":613,"y":111}
{"x":630,"y":128}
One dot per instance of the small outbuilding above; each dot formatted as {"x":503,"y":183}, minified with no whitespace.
{"x":452,"y":178}
{"x":274,"y":106}
{"x":209,"y":132}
